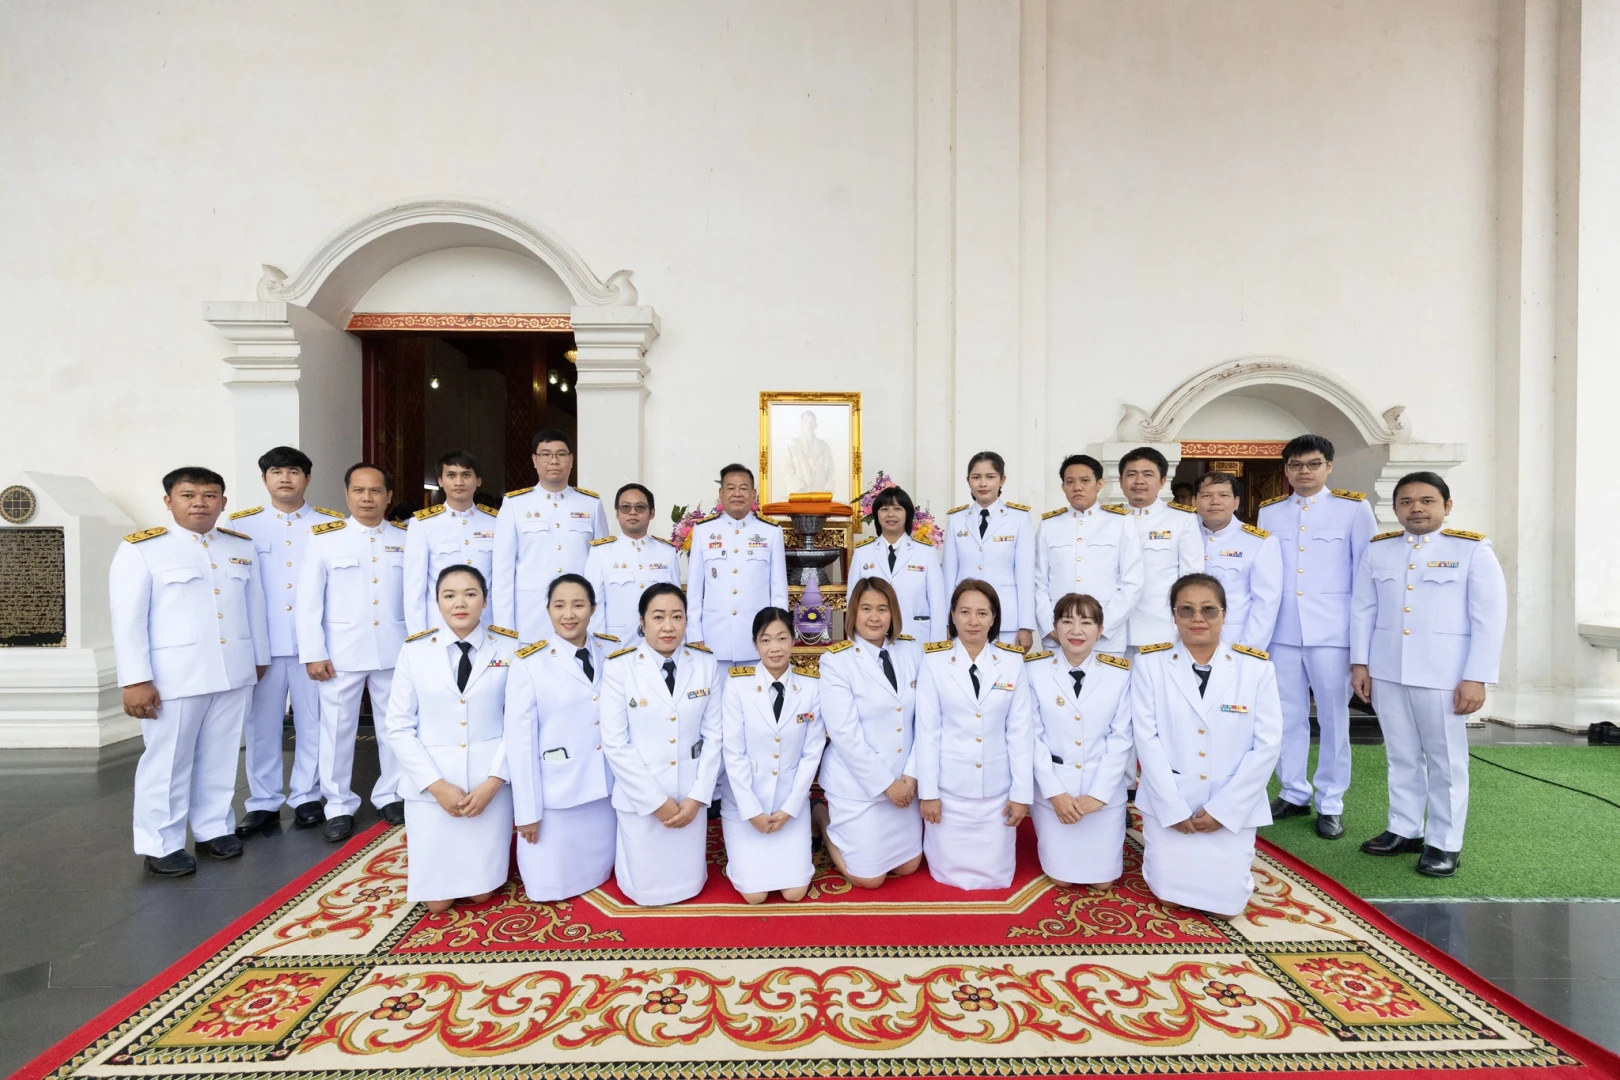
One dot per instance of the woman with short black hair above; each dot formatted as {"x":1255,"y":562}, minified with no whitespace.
{"x":994,"y":541}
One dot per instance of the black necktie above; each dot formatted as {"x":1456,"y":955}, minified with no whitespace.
{"x":984,"y":521}
{"x":776,"y":706}
{"x":669,"y":675}
{"x":973,"y":673}
{"x":888,"y":668}
{"x":583,"y":655}
{"x":1203,"y":677}
{"x":1079,"y":677}
{"x":891,"y":558}
{"x":464,"y":669}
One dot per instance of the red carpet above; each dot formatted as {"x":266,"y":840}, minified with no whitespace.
{"x":338,"y":976}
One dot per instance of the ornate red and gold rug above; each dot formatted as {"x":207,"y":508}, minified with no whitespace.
{"x":338,"y":976}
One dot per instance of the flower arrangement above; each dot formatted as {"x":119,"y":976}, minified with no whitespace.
{"x":923,"y":526}
{"x":685,"y":517}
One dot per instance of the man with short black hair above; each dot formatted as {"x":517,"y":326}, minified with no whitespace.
{"x":621,"y":567}
{"x":455,"y":531}
{"x":1088,"y":548}
{"x":1171,"y":545}
{"x":737,"y":566}
{"x":1244,"y":558}
{"x":542,"y":533}
{"x":190,"y":641}
{"x":1322,"y":534}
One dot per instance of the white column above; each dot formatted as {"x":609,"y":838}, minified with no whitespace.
{"x":262,"y":372}
{"x":611,"y":356}
{"x":934,"y":258}
{"x":1038,"y":483}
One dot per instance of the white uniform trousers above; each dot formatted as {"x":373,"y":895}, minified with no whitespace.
{"x":574,"y":853}
{"x":188,"y":770}
{"x":1208,"y":871}
{"x":262,"y":738}
{"x":1427,"y":746}
{"x":972,"y":847}
{"x":340,"y":720}
{"x":1089,"y":852}
{"x":447,"y":857}
{"x":1322,"y":671}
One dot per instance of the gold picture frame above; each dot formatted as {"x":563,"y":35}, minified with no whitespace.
{"x":820,"y":441}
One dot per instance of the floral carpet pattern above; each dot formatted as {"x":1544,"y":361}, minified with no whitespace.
{"x":343,"y":977}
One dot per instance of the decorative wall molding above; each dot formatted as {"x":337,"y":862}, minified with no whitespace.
{"x":1204,"y":448}
{"x":458,"y":321}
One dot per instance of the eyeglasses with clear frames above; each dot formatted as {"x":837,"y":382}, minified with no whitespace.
{"x":1313,"y":465}
{"x":633,"y":508}
{"x":1187,"y":611}
{"x":553,"y":455}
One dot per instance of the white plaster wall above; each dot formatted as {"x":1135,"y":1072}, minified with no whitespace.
{"x":475,"y":279}
{"x":1242,"y":416}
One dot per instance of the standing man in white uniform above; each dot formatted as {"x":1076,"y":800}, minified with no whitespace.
{"x":190,"y":639}
{"x":456,"y":531}
{"x":1322,"y":534}
{"x":279,"y":537}
{"x":909,"y":565}
{"x":351,"y":623}
{"x":1089,"y":549}
{"x":735,"y":568}
{"x":1425,"y":638}
{"x":543,"y":532}
{"x":1244,"y":558}
{"x":621,"y":567}
{"x":1171,"y":544}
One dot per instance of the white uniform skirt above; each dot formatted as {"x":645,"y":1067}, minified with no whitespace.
{"x":874,"y":836}
{"x":1207,"y":871}
{"x":1089,"y":852}
{"x":657,"y":865}
{"x":447,"y":857}
{"x":971,"y":847}
{"x":762,"y":862}
{"x":574,"y":853}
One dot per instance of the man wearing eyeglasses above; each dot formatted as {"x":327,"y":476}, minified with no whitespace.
{"x":1322,"y":533}
{"x":542,"y":533}
{"x":621,"y":567}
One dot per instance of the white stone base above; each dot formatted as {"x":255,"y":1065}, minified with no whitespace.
{"x":1537,"y":707}
{"x":61,"y":698}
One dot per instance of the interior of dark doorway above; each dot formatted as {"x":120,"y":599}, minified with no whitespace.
{"x":426,"y":394}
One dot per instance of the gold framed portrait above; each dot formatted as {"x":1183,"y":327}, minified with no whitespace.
{"x":809,"y":441}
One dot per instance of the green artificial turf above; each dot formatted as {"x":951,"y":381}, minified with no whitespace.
{"x":1524,"y":839}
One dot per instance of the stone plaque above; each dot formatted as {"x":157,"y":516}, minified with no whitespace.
{"x":33,"y":588}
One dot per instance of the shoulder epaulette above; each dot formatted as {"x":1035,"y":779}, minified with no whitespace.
{"x":803,"y":669}
{"x":330,"y":526}
{"x":146,"y":534}
{"x":519,"y":491}
{"x":1249,"y":650}
{"x":490,"y":510}
{"x":606,"y":637}
{"x":529,"y":650}
{"x":1019,"y":649}
{"x":840,"y":646}
{"x":432,"y":511}
{"x":705,"y":517}
{"x":1255,"y":530}
{"x":245,"y":536}
{"x":503,"y":631}
{"x":1016,"y":506}
{"x":958,"y":509}
{"x":249,"y":512}
{"x":924,"y":543}
{"x":768,"y":520}
{"x":587,"y":491}
{"x":1462,"y":534}
{"x":329,"y":513}
{"x":1392,"y":534}
{"x":905,"y":637}
{"x":1344,"y":493}
{"x":1114,"y":508}
{"x":661,"y":540}
{"x":868,"y":540}
{"x":1272,"y":501}
{"x":422,"y":634}
{"x":938,"y":646}
{"x":1160,"y":647}
{"x":1183,"y":507}
{"x":603,"y":540}
{"x":742,"y":670}
{"x":1114,"y":661}
{"x":1033,"y":656}
{"x":699,"y":648}
{"x":622,"y":652}
{"x":400,"y":525}
{"x":1054,"y":513}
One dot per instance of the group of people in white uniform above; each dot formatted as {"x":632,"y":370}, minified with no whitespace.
{"x":1053,"y":663}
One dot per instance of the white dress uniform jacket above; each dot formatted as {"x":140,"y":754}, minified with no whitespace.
{"x":1171,"y":543}
{"x":350,"y":605}
{"x":441,"y":537}
{"x":280,"y":540}
{"x":917,"y":577}
{"x":620,"y":570}
{"x":1246,"y":560}
{"x":539,"y":536}
{"x":1004,"y":555}
{"x":1321,"y":539}
{"x":1094,"y":552}
{"x":736,"y":567}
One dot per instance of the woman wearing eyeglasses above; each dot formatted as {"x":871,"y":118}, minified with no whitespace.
{"x":1207,"y":726}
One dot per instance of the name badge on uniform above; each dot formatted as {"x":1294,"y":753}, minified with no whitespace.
{"x":1439,"y":564}
{"x":390,"y":547}
{"x":249,"y":562}
{"x":1002,"y":539}
{"x":697,"y":747}
{"x":498,"y":662}
{"x":583,"y":515}
{"x":483,"y":536}
{"x":1159,"y":534}
{"x":1002,"y":686}
{"x":655,"y":566}
{"x":1230,"y":554}
{"x":1235,"y":708}
{"x":556,"y":753}
{"x":703,"y":692}
{"x":921,"y":568}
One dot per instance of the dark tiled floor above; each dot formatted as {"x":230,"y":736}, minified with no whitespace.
{"x":98,"y":925}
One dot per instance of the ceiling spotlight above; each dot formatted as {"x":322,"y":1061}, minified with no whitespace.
{"x":552,"y":378}
{"x":434,"y":382}
{"x":563,"y":388}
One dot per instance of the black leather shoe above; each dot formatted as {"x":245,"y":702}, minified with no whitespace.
{"x":221,"y":847}
{"x":394,"y":813}
{"x":174,"y":864}
{"x":254,"y":820}
{"x":338,"y":828}
{"x":308,"y":815}
{"x":1282,"y":808}
{"x":1388,"y":843}
{"x":1329,"y":827}
{"x":1436,"y":863}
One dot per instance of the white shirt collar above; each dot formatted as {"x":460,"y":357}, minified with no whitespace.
{"x":1229,"y":527}
{"x":294,"y":515}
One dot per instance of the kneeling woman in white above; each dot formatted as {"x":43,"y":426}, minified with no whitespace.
{"x":560,"y":775}
{"x":771,"y":744}
{"x":661,"y":733}
{"x":871,"y":821}
{"x":445,"y":726}
{"x":974,"y":745}
{"x":1081,"y":703}
{"x":1208,"y":728}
